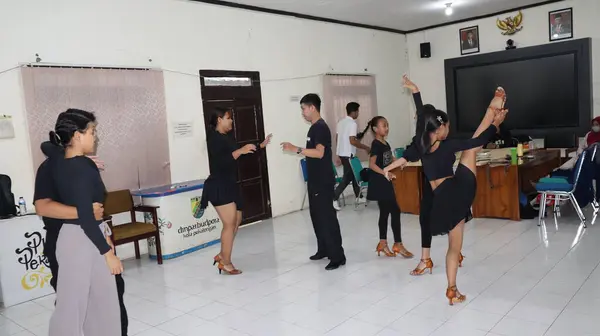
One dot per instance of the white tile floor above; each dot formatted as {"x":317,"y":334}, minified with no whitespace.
{"x":520,"y":280}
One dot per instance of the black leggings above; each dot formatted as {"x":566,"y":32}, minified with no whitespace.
{"x":387,"y":208}
{"x":425,"y":212}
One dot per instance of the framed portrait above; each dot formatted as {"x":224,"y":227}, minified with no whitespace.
{"x":469,"y":40}
{"x":560,"y":24}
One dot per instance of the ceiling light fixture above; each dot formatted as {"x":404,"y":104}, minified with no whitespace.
{"x":448,"y":9}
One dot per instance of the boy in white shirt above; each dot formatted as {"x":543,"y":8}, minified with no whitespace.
{"x":347,"y":142}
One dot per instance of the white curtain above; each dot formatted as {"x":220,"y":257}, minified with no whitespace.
{"x":131,"y":113}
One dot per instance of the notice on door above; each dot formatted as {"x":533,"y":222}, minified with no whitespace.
{"x":183,"y":130}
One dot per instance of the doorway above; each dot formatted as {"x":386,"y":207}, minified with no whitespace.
{"x":240,"y":92}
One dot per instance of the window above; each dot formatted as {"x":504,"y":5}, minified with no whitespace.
{"x":227,"y":81}
{"x":338,"y":91}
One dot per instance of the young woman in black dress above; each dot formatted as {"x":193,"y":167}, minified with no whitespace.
{"x":382,"y":191}
{"x":220,"y":188}
{"x":426,"y":193}
{"x":453,"y":191}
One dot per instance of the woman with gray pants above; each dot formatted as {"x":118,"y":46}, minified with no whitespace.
{"x":86,"y":297}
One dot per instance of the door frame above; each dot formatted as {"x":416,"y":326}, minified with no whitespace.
{"x":240,"y":94}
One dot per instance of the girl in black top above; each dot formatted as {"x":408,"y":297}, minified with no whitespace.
{"x":426,"y":193}
{"x":453,"y":191}
{"x":220,"y":188}
{"x":382,"y":190}
{"x":86,"y":296}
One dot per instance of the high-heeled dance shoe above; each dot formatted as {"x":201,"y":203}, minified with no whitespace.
{"x":232,"y":271}
{"x":461,"y":257}
{"x":398,"y":248}
{"x":420,"y":271}
{"x":454,"y":296}
{"x":382,"y":247}
{"x":216,"y":259}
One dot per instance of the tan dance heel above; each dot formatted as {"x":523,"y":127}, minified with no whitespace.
{"x":454,"y":296}
{"x":420,"y":271}
{"x":382,"y":247}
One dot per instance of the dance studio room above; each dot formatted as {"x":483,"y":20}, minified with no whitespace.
{"x":299,"y":167}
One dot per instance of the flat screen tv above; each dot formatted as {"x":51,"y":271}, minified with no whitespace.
{"x":549,"y":88}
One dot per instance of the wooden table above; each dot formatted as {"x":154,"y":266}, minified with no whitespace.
{"x":498,"y":183}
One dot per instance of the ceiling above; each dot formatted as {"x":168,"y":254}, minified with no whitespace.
{"x":403,"y":15}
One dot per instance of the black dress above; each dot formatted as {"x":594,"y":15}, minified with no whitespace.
{"x":380,"y":189}
{"x":221,"y":188}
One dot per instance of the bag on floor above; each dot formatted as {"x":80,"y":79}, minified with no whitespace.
{"x":364,"y":174}
{"x":7,"y":199}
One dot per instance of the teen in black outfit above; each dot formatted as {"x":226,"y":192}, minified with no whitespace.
{"x":221,"y":189}
{"x":86,"y":296}
{"x":382,"y":190}
{"x":453,"y":191}
{"x":411,"y":155}
{"x":54,"y":214}
{"x":320,"y":183}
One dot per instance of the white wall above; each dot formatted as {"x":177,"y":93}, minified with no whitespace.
{"x":429,"y":73}
{"x":185,"y":37}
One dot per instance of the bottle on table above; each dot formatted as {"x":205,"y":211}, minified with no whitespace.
{"x":22,"y":206}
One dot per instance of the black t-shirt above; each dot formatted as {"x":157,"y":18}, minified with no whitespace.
{"x":78,"y":183}
{"x":380,"y":188}
{"x":383,"y":152}
{"x":44,"y":189}
{"x":320,"y":171}
{"x":44,"y":183}
{"x":220,"y":149}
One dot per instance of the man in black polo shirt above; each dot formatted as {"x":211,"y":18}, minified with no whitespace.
{"x":54,"y":214}
{"x":320,"y":183}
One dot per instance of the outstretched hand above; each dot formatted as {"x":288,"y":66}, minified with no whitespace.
{"x":249,"y":148}
{"x":266,"y":141}
{"x":288,"y":147}
{"x":407,"y":83}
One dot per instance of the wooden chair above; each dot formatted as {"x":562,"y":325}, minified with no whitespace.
{"x":120,"y":201}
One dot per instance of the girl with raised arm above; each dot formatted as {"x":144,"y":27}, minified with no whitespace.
{"x":411,"y":154}
{"x":453,"y":191}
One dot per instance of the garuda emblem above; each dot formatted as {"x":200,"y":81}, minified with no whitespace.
{"x":510,"y":25}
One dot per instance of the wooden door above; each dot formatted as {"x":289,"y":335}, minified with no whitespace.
{"x":240,"y":92}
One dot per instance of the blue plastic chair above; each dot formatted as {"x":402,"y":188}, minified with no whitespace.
{"x":338,"y":180}
{"x":305,"y":175}
{"x":362,"y":185}
{"x":562,"y":188}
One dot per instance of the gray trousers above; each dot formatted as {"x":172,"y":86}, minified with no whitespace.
{"x":86,"y":297}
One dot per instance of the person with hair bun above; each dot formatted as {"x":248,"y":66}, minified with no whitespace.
{"x":220,"y":188}
{"x":454,"y":191}
{"x":86,"y":297}
{"x":382,"y":190}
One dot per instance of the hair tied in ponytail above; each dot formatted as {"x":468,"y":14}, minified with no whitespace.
{"x":55,"y":138}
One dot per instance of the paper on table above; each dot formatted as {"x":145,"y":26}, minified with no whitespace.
{"x":7,"y":130}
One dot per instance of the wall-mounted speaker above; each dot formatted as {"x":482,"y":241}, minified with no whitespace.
{"x":425,"y":50}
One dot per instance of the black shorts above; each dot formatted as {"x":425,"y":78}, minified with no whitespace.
{"x":220,"y":191}
{"x":452,"y":201}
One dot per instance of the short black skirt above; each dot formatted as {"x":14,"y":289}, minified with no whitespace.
{"x":452,"y":201}
{"x":380,"y":189}
{"x":221,"y":191}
